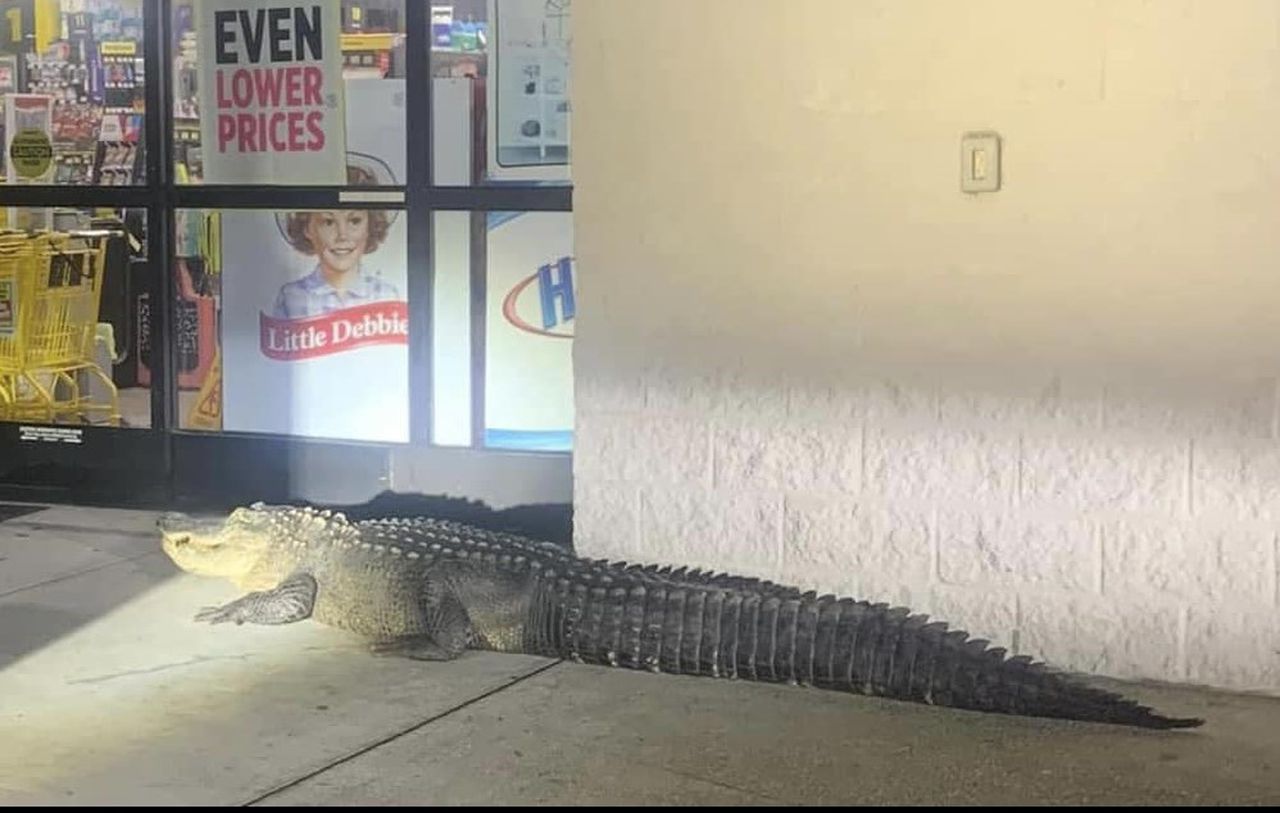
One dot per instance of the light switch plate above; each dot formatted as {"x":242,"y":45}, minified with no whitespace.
{"x":979,"y":162}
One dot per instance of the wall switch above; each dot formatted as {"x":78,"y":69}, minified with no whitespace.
{"x":979,"y":162}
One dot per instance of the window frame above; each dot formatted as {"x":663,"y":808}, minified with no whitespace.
{"x":162,"y":197}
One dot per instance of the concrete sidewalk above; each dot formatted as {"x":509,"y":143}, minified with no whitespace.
{"x":110,"y":694}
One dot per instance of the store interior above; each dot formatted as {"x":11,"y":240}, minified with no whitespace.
{"x":71,"y":86}
{"x":72,"y":89}
{"x":73,"y":348}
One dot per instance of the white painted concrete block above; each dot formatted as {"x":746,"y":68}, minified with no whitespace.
{"x":979,"y":545}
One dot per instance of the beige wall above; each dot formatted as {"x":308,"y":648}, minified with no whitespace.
{"x":1048,"y":414}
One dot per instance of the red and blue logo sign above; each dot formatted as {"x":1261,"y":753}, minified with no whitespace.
{"x":543,"y":303}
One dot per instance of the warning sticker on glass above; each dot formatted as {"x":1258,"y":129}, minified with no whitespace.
{"x":50,"y":434}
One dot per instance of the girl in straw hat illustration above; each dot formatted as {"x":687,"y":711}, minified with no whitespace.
{"x":339,"y":239}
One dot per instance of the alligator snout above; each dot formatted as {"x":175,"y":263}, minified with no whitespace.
{"x":172,"y":521}
{"x":175,"y":522}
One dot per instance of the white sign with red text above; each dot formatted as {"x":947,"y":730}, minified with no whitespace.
{"x":271,"y":91}
{"x":315,"y":325}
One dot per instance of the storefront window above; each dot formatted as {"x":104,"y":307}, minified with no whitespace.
{"x":71,"y":86}
{"x":524,"y":261}
{"x":296,"y":323}
{"x":500,"y":73}
{"x":312,"y":98}
{"x":73,"y":326}
{"x":288,"y":320}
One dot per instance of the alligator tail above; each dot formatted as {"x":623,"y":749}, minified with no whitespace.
{"x":829,"y":643}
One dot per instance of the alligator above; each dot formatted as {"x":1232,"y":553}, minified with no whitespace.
{"x":430,"y":589}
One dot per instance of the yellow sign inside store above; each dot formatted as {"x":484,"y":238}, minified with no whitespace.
{"x":206,"y":413}
{"x":125,"y":48}
{"x":44,"y":23}
{"x":368,"y":42}
{"x":31,"y":153}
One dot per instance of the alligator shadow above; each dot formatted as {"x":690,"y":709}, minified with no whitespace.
{"x":549,"y":522}
{"x":15,"y":510}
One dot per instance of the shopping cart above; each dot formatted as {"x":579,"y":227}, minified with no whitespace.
{"x":15,"y":275}
{"x":50,"y":288}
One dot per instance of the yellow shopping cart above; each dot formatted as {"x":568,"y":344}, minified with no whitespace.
{"x":50,"y":289}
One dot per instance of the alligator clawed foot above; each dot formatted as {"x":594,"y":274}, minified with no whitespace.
{"x":218,"y":615}
{"x":416,"y":647}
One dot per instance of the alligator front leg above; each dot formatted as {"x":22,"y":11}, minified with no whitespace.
{"x":291,"y":600}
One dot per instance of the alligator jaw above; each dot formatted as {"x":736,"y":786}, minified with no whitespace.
{"x":178,"y":528}
{"x":207,"y":546}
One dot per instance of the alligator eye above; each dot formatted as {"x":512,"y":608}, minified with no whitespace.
{"x":179,"y":541}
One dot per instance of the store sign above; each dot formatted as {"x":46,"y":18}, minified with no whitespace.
{"x":31,"y":153}
{"x":271,"y":92}
{"x":27,"y":126}
{"x":17,"y":25}
{"x":315,"y":324}
{"x":544,"y":302}
{"x":341,"y":332}
{"x":528,"y":95}
{"x":528,"y":363}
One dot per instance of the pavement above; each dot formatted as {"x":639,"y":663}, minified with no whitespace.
{"x":111,"y":694}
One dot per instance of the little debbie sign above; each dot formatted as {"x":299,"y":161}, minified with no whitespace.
{"x":271,"y":92}
{"x":348,"y":329}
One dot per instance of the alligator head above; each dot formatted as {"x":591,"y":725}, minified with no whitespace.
{"x":258,"y":544}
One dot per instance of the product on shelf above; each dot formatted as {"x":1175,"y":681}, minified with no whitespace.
{"x":89,"y":67}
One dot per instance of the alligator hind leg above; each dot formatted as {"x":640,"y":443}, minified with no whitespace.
{"x":291,"y":600}
{"x":418,"y":647}
{"x":449,"y":634}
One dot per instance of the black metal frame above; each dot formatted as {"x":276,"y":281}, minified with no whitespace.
{"x":161,"y":197}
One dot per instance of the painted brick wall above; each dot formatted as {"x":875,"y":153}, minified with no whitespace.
{"x":1048,"y":415}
